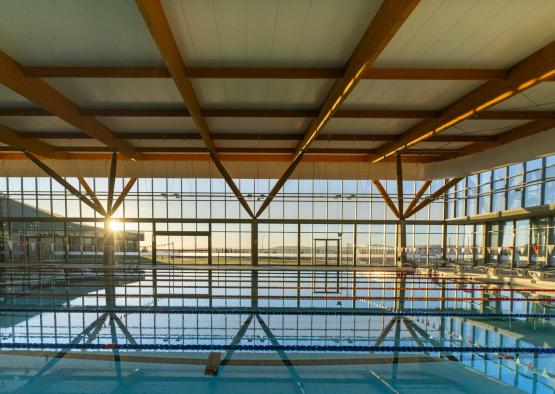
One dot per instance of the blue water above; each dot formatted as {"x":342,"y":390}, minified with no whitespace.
{"x":222,"y":331}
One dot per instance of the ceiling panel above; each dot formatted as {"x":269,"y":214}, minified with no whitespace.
{"x":470,"y":33}
{"x":255,"y":144}
{"x":440,"y":145}
{"x":261,"y":93}
{"x":112,"y":92}
{"x":69,"y":32}
{"x":367,"y":126}
{"x":257,"y":125}
{"x":345,"y":144}
{"x":167,"y":143}
{"x":73,"y":143}
{"x":538,"y":98}
{"x":149,"y":124}
{"x":37,"y":123}
{"x":483,"y":127}
{"x":8,"y":98}
{"x":406,"y":94}
{"x":269,"y":32}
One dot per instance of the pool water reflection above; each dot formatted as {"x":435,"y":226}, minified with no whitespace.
{"x":97,"y":329}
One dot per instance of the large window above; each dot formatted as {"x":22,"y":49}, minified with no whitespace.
{"x":516,"y":186}
{"x":349,"y":215}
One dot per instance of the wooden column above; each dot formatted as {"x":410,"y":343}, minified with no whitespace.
{"x":254,"y":242}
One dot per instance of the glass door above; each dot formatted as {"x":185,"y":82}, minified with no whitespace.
{"x":326,"y":252}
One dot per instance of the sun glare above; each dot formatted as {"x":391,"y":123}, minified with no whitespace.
{"x":115,"y":226}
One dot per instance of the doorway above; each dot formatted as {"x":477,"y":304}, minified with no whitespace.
{"x":326,"y":252}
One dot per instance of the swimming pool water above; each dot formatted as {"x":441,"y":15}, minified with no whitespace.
{"x":97,"y":330}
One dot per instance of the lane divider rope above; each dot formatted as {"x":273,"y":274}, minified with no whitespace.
{"x":294,"y":348}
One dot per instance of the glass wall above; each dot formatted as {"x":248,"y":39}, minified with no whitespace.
{"x":349,"y":217}
{"x":333,"y":222}
{"x":521,"y":185}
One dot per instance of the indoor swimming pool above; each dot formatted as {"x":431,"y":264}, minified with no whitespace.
{"x":98,"y":329}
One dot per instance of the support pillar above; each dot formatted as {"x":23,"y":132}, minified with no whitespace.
{"x":108,"y":260}
{"x":254,"y":242}
{"x":401,"y":243}
{"x":108,"y":243}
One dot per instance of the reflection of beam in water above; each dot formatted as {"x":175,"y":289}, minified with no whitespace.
{"x":430,"y":340}
{"x":254,"y":289}
{"x":124,"y":329}
{"x":59,"y":355}
{"x":97,"y":329}
{"x":383,"y":382}
{"x":236,"y":340}
{"x":385,"y":331}
{"x":408,"y":325}
{"x":284,"y":358}
{"x":115,"y":351}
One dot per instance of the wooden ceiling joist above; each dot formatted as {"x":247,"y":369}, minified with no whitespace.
{"x":386,"y":198}
{"x":123,"y":194}
{"x":231,"y":157}
{"x":160,"y":30}
{"x":53,"y":174}
{"x":112,"y":183}
{"x":48,"y":98}
{"x":417,"y":196}
{"x":92,"y":195}
{"x":278,"y":113}
{"x":388,"y":19}
{"x":536,"y":68}
{"x":399,"y":178}
{"x":253,"y":137}
{"x":16,"y":140}
{"x":432,"y":197}
{"x":248,"y":150}
{"x":265,"y":73}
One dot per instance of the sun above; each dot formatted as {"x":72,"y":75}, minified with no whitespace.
{"x":115,"y":225}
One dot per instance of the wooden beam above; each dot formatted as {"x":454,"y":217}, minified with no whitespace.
{"x":155,"y":18}
{"x":112,"y":182}
{"x":123,"y":194}
{"x":433,"y":196}
{"x":264,"y":73}
{"x":284,"y":158}
{"x":252,"y":136}
{"x":278,"y":113}
{"x":92,"y":195}
{"x":417,"y":196}
{"x":399,"y":174}
{"x":62,"y":181}
{"x":525,"y":130}
{"x":16,"y":140}
{"x":538,"y":67}
{"x":160,"y":30}
{"x":44,"y":95}
{"x":248,"y":150}
{"x":279,"y":184}
{"x":388,"y":19}
{"x":386,"y":198}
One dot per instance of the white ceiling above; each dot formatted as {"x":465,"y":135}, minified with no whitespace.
{"x":414,"y":95}
{"x":471,"y":33}
{"x":69,"y":32}
{"x":320,"y":33}
{"x":273,"y":33}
